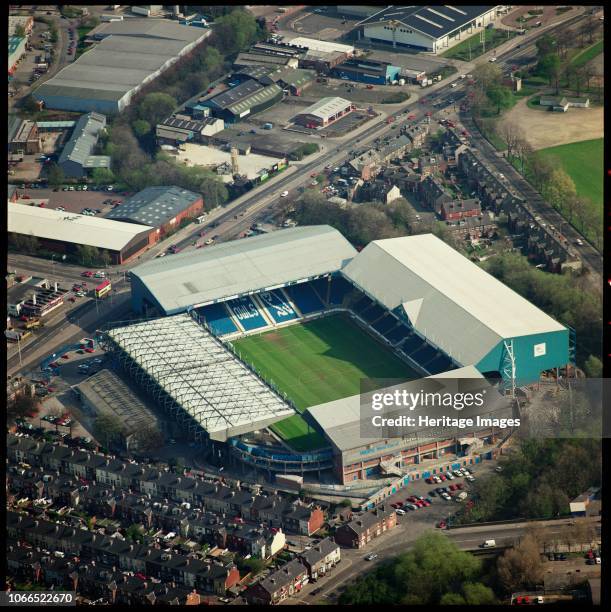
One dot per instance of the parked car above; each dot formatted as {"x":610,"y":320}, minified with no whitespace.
{"x":371,"y":557}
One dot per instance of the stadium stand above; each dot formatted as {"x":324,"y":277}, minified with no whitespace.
{"x":440,"y":364}
{"x":217,"y":318}
{"x":385,"y":324}
{"x":247,"y":313}
{"x":321,"y":288}
{"x":305,"y":298}
{"x":424,"y":354}
{"x":397,"y":335}
{"x":411,"y":344}
{"x":373,"y":313}
{"x":277,"y":306}
{"x":340,"y":288}
{"x":361,"y":305}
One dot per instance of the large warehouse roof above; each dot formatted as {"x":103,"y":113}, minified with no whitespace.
{"x":321,"y":45}
{"x":434,"y":21}
{"x":449,"y":299}
{"x":202,"y":376}
{"x":131,"y":52}
{"x":343,"y":421}
{"x":155,"y":205}
{"x":326,"y":107}
{"x":73,"y":228}
{"x":250,"y":264}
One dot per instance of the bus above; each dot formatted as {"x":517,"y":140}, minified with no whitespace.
{"x":102,"y":289}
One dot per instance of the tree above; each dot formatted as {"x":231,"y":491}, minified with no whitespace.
{"x":108,"y":428}
{"x":55,"y":175}
{"x":550,"y":67}
{"x":102,"y":176}
{"x":541,"y":169}
{"x":452,"y":599}
{"x":87,"y":255}
{"x":141,"y":127}
{"x":214,"y":192}
{"x":29,"y":104}
{"x":486,"y":75}
{"x":521,"y":567}
{"x":513,"y":135}
{"x":560,"y":189}
{"x":148,"y":438}
{"x":135,"y":533}
{"x":236,"y":31}
{"x":477,"y":594}
{"x":20,"y":31}
{"x":156,"y":106}
{"x":545,"y":45}
{"x":21,"y":406}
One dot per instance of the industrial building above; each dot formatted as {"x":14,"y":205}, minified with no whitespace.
{"x":324,"y":112}
{"x":324,"y":46}
{"x":63,"y":232}
{"x":247,"y":98}
{"x":367,"y":71}
{"x":176,"y":130}
{"x":26,"y":139}
{"x":160,"y":207}
{"x":433,"y":29}
{"x":435,"y":309}
{"x":265,"y":59}
{"x":130,"y":54}
{"x":77,"y":156}
{"x":16,"y":50}
{"x":106,"y":395}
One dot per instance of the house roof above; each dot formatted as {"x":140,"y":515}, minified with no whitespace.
{"x":83,"y":139}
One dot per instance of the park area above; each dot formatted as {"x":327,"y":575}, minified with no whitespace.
{"x":583,"y":162}
{"x":317,"y":362}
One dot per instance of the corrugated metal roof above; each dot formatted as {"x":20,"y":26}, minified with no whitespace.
{"x":321,"y":45}
{"x":70,"y":227}
{"x":155,"y":205}
{"x":241,"y":266}
{"x":343,"y":423}
{"x":83,"y":139}
{"x":326,"y":107}
{"x":464,"y":310}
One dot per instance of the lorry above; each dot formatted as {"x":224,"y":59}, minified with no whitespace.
{"x":425,"y":82}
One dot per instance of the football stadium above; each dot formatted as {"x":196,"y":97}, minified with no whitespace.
{"x":258,"y":347}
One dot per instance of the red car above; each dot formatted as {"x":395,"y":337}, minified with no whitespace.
{"x":87,"y":273}
{"x":419,"y":503}
{"x":442,"y":525}
{"x":412,"y":499}
{"x":72,"y":299}
{"x":459,"y":485}
{"x":50,"y":389}
{"x":394,"y":506}
{"x":453,"y":487}
{"x":89,"y":350}
{"x":425,"y":503}
{"x":429,"y":481}
{"x":442,"y":476}
{"x":66,"y":356}
{"x":411,"y":117}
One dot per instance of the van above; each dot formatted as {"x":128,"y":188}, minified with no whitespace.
{"x":489,"y":544}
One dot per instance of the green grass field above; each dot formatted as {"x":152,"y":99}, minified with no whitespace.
{"x":317,"y":362}
{"x":583,"y":162}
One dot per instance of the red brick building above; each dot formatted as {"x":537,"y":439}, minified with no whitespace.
{"x":460,"y":209}
{"x":359,"y":532}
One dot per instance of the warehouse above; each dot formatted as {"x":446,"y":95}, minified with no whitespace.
{"x":324,"y":112}
{"x":77,"y":156}
{"x":313,"y":44}
{"x":433,"y":29}
{"x":295,"y":81}
{"x":160,"y":207}
{"x":26,"y":140}
{"x":245,"y":99}
{"x":175,"y":131}
{"x":265,"y":59}
{"x":64,"y":232}
{"x":131,"y":54}
{"x":367,"y":71}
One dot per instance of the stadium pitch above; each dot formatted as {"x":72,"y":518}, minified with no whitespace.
{"x":317,"y":362}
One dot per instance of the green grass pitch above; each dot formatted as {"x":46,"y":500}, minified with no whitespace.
{"x":316,"y":362}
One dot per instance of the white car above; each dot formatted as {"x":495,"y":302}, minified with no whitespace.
{"x":84,"y":187}
{"x":400,"y":512}
{"x":470,"y":478}
{"x":371,"y":557}
{"x":498,"y":468}
{"x":492,"y":59}
{"x":284,"y":194}
{"x":446,"y":496}
{"x":60,"y":208}
{"x":463,"y":76}
{"x":449,"y":476}
{"x":209,"y":241}
{"x":579,"y":242}
{"x":162,"y":254}
{"x":453,"y":85}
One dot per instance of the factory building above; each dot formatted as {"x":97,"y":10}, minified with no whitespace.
{"x":77,"y":155}
{"x":63,"y":232}
{"x":247,"y":98}
{"x":130,"y":54}
{"x":160,"y":207}
{"x":367,"y":71}
{"x":324,"y":112}
{"x":433,"y":29}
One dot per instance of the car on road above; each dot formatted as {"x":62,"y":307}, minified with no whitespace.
{"x":400,"y":512}
{"x":371,"y":557}
{"x":284,"y":194}
{"x":579,"y":242}
{"x":492,"y":59}
{"x":453,"y":85}
{"x":498,"y":468}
